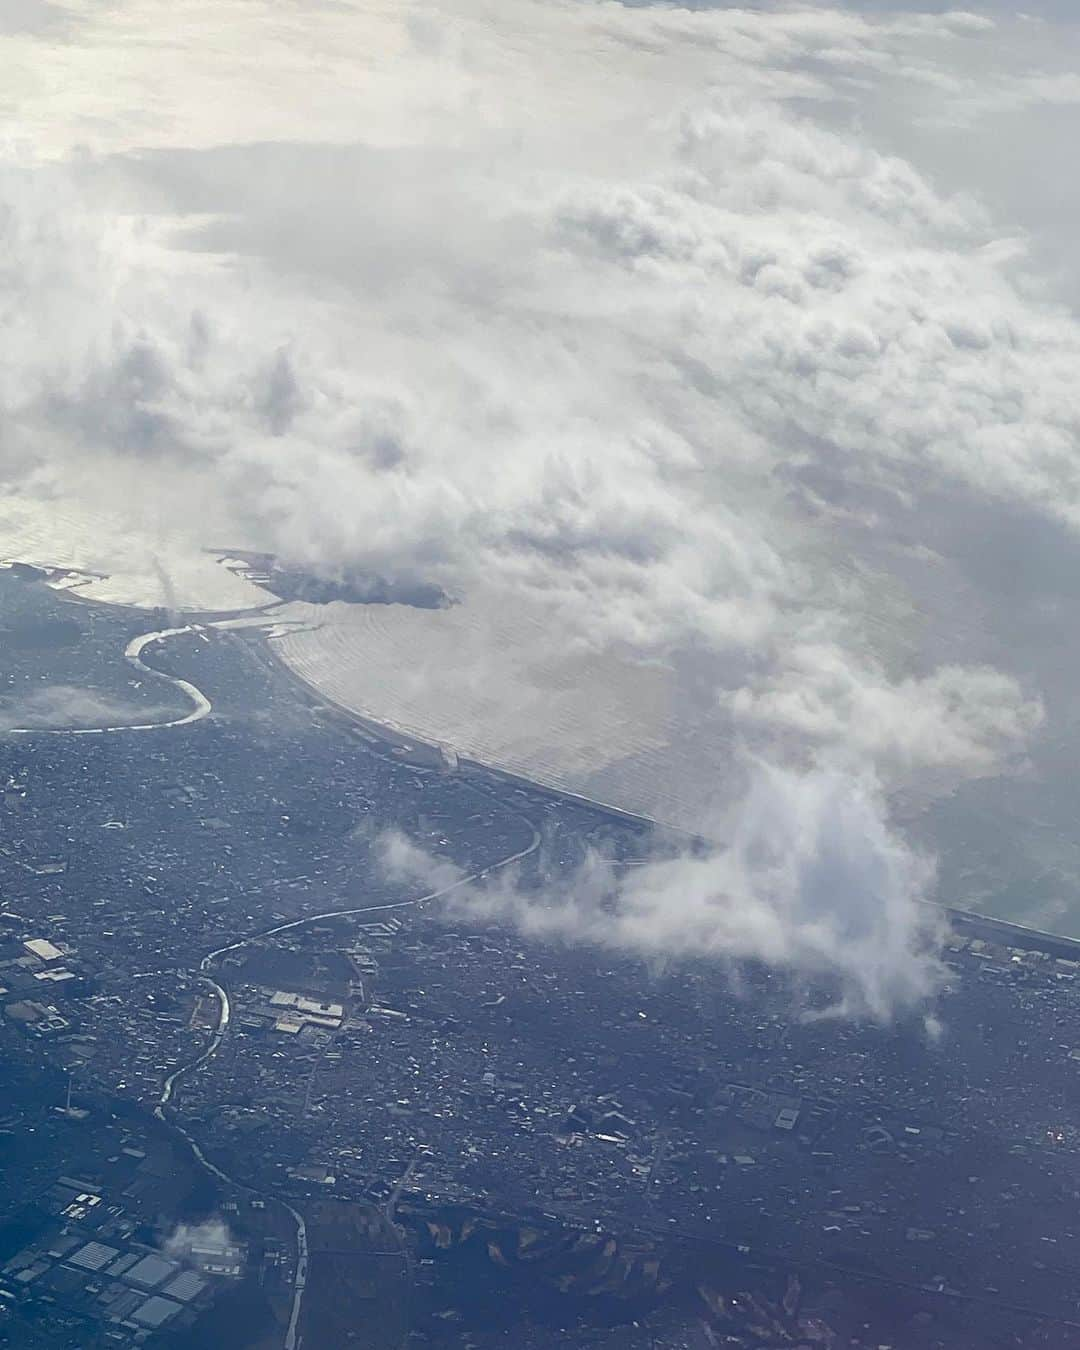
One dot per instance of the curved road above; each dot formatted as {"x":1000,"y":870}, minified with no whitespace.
{"x":225,"y":1012}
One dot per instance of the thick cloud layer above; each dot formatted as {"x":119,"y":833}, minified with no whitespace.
{"x":66,"y":706}
{"x":635,"y":320}
{"x":643,"y":317}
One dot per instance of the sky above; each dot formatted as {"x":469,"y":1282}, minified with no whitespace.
{"x":740,"y":337}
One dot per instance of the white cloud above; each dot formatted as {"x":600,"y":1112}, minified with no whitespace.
{"x":212,"y":1233}
{"x":64,"y":706}
{"x":965,"y":719}
{"x":811,"y":881}
{"x":577,"y":303}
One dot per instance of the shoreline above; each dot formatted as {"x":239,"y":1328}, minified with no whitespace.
{"x":1008,"y":933}
{"x":1004,"y":932}
{"x":413,"y":749}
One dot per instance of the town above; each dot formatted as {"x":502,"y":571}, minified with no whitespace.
{"x":259,"y":1092}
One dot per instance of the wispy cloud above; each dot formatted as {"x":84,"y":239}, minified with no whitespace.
{"x":62,"y":706}
{"x":811,"y":880}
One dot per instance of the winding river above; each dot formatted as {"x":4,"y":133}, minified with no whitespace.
{"x":201,"y":706}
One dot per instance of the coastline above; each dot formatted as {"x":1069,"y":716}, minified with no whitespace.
{"x":1004,"y":932}
{"x":410,"y":748}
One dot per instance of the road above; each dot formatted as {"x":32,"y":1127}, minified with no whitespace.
{"x":201,"y":707}
{"x":292,"y":1341}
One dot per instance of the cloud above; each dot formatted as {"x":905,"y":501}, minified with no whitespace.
{"x":629,"y":486}
{"x":64,"y":706}
{"x":811,"y":880}
{"x":970,"y":720}
{"x":212,"y":1233}
{"x":642,"y":320}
